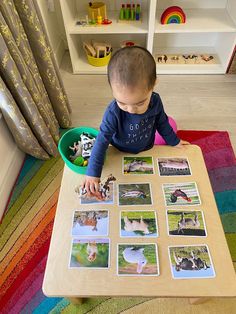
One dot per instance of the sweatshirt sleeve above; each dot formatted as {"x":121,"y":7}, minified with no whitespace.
{"x":107,"y":129}
{"x":164,"y":128}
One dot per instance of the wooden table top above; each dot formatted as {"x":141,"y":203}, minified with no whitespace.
{"x":62,"y":281}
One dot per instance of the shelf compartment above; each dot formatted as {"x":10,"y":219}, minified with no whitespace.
{"x":199,"y":20}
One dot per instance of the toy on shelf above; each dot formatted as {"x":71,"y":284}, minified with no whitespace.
{"x":173,"y":14}
{"x":185,"y":59}
{"x":98,"y":13}
{"x":128,"y":43}
{"x":129,"y":13}
{"x":98,"y":53}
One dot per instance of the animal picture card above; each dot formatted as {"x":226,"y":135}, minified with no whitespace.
{"x":90,"y":223}
{"x":191,"y":261}
{"x":90,"y":253}
{"x":181,"y":194}
{"x":173,"y":167}
{"x":186,"y":223}
{"x":138,"y":165}
{"x":134,"y":194}
{"x":138,"y":223}
{"x":137,"y":260}
{"x":86,"y":200}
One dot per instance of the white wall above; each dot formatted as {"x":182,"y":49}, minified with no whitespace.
{"x":11,"y":160}
{"x":54,"y":26}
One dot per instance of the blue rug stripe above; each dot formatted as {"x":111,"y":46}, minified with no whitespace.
{"x":46,"y":306}
{"x":226,"y":201}
{"x":60,"y":306}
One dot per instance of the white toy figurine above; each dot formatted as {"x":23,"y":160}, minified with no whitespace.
{"x":77,"y":150}
{"x":87,"y":144}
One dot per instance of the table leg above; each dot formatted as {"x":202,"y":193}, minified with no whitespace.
{"x":195,"y":301}
{"x":76,"y":300}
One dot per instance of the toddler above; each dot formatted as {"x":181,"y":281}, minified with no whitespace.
{"x":132,"y":118}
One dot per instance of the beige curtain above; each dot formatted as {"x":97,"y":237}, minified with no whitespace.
{"x":32,"y":98}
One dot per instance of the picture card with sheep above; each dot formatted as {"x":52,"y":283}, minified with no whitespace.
{"x":137,"y":259}
{"x":138,"y":223}
{"x":191,"y":261}
{"x":188,"y":223}
{"x":138,"y":165}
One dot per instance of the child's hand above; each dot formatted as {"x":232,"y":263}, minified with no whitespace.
{"x":91,"y":184}
{"x":182,"y":144}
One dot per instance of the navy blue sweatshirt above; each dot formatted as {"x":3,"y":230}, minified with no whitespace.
{"x":131,"y":133}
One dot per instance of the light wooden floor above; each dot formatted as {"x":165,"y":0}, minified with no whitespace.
{"x":197,"y":102}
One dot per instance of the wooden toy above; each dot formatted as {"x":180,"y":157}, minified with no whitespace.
{"x":98,"y":14}
{"x":89,"y":49}
{"x":173,"y":14}
{"x":102,"y":48}
{"x":130,"y":13}
{"x":128,"y":43}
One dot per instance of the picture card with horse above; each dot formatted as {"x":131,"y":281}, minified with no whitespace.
{"x":134,"y":194}
{"x":137,"y":259}
{"x":90,"y":223}
{"x":170,"y":166}
{"x":187,"y":223}
{"x":181,"y":194}
{"x":138,"y":165}
{"x":90,"y":253}
{"x":191,"y":261}
{"x":138,"y":223}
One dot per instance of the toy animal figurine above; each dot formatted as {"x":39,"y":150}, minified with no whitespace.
{"x":178,"y":193}
{"x":92,"y":251}
{"x":104,"y":188}
{"x":184,"y":223}
{"x":175,"y":58}
{"x":135,"y":257}
{"x":162,"y":58}
{"x":77,"y":150}
{"x":207,"y":58}
{"x":136,"y":225}
{"x":87,"y":142}
{"x":189,"y":263}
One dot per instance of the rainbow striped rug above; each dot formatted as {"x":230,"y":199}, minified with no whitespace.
{"x":26,"y":229}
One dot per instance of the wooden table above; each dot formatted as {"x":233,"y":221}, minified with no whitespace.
{"x":60,"y":281}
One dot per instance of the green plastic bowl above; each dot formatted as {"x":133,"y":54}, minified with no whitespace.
{"x":67,"y":140}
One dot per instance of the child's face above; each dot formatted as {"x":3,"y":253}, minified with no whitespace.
{"x":132,"y":100}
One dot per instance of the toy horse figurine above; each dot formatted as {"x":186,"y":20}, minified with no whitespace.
{"x":104,"y":188}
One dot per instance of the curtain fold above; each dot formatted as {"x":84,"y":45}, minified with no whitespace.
{"x":32,"y":97}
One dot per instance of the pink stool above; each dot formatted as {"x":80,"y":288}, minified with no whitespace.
{"x":159,"y":139}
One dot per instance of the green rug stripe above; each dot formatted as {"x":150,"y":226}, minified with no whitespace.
{"x":229,"y":222}
{"x":231,"y":240}
{"x":83,"y":308}
{"x":27,"y":192}
{"x":23,"y":182}
{"x":40,"y":187}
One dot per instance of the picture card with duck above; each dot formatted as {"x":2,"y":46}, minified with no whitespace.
{"x":181,"y":194}
{"x":134,"y":194}
{"x":94,"y":200}
{"x":90,"y":223}
{"x":191,"y":261}
{"x":186,"y":223}
{"x":138,"y":223}
{"x":90,"y":253}
{"x":138,"y":165}
{"x":170,"y":166}
{"x":137,"y":259}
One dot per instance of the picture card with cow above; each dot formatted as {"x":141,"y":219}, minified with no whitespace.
{"x":138,"y":223}
{"x":173,"y":166}
{"x":138,"y":165}
{"x":90,"y":223}
{"x":90,"y":253}
{"x":181,"y":194}
{"x":186,"y":223}
{"x":191,"y":261}
{"x":134,"y":194}
{"x":137,"y":260}
{"x":109,"y":199}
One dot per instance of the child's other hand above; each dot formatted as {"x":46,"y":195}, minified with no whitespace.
{"x":182,"y":144}
{"x":91,"y":184}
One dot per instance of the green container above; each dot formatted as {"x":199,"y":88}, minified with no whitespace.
{"x":67,"y":140}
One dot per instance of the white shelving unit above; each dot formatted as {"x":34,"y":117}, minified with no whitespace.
{"x":210,"y":28}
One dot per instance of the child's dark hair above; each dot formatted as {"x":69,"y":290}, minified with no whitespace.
{"x":132,"y":65}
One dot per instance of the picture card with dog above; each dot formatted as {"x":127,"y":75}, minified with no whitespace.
{"x":137,"y":259}
{"x":138,"y":223}
{"x":181,"y":194}
{"x":90,"y":223}
{"x":186,"y":223}
{"x":90,"y":253}
{"x":191,"y":261}
{"x":138,"y":165}
{"x":134,"y":194}
{"x":87,"y":200}
{"x":170,"y":166}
